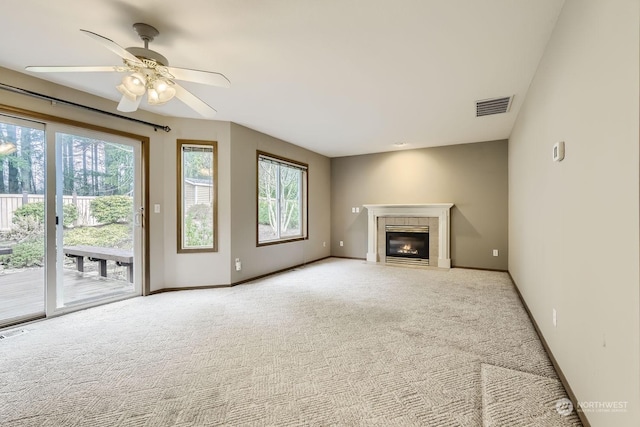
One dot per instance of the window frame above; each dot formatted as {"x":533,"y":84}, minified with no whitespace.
{"x":304,"y":198}
{"x":180,"y":143}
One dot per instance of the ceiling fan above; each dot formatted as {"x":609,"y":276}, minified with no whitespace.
{"x":147,"y":72}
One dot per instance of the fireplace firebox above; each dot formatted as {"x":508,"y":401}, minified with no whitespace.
{"x":407,"y":244}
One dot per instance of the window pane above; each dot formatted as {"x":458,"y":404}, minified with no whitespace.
{"x":290,"y":201}
{"x":22,"y":214}
{"x":198,"y":196}
{"x":267,"y":201}
{"x":97,"y":176}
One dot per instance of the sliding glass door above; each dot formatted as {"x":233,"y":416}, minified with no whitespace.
{"x":71,"y":218}
{"x":99,"y":218}
{"x":22,"y":213}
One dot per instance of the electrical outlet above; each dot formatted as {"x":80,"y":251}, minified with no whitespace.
{"x":341,"y":243}
{"x":324,"y":244}
{"x":156,"y":208}
{"x":238,"y":264}
{"x":357,"y":210}
{"x":495,"y":252}
{"x":555,"y":318}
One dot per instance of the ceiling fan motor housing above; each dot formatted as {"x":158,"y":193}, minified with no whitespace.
{"x":144,"y":53}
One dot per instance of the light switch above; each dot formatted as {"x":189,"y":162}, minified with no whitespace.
{"x":156,"y":208}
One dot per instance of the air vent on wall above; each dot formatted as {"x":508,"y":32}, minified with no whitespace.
{"x":487,"y":107}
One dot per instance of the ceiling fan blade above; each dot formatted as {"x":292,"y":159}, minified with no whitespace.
{"x":113,"y":47}
{"x":197,"y":76}
{"x":127,"y":105}
{"x":194,"y":102}
{"x":71,"y":69}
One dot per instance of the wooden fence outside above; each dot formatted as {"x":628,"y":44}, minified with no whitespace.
{"x":10,"y":202}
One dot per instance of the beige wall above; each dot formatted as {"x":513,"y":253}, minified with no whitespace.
{"x":194,"y":269}
{"x":573,"y":226}
{"x":256,"y":261}
{"x":472,"y":176}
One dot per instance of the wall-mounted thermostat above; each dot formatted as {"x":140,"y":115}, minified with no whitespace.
{"x":558,"y":151}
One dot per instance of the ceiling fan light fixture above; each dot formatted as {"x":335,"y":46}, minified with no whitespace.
{"x":147,"y":72}
{"x":161,"y":92}
{"x":152,"y":97}
{"x":135,"y":83}
{"x":126,"y":92}
{"x":160,"y":85}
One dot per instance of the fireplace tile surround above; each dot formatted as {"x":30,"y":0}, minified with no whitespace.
{"x":435,"y":215}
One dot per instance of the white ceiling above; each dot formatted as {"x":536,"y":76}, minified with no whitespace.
{"x":339,"y":77}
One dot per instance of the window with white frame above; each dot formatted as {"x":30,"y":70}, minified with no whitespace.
{"x":282,"y":199}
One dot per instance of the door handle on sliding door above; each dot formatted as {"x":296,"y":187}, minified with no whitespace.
{"x":138,"y":217}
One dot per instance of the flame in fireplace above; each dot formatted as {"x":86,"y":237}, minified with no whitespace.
{"x":407,"y":249}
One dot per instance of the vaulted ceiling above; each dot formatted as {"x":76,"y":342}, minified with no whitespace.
{"x":339,"y":77}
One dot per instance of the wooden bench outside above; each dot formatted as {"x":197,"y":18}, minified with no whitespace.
{"x":122,"y":257}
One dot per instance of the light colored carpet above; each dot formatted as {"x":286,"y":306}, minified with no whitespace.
{"x":338,"y":342}
{"x":514,"y":398}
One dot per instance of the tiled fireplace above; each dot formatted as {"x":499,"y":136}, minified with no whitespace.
{"x":409,"y":234}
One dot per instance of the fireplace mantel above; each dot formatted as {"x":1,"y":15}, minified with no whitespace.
{"x":437,"y":210}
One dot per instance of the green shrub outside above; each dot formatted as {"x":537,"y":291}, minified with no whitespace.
{"x":25,"y":228}
{"x":110,"y":236}
{"x":199,"y":226}
{"x":36,"y":211}
{"x":69,"y":214}
{"x":111,"y":209}
{"x":28,"y":232}
{"x":29,"y":253}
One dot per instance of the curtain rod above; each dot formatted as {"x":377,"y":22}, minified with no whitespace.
{"x":85,"y":107}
